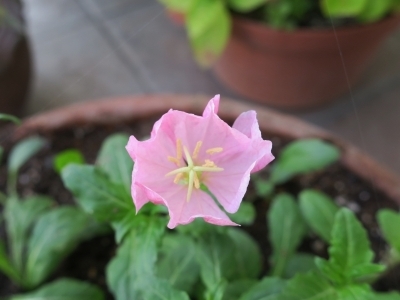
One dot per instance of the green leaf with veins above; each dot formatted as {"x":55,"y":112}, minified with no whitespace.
{"x":177,"y":263}
{"x":19,"y":155}
{"x":310,"y":286}
{"x":389,"y":223}
{"x":114,"y":160}
{"x":96,"y":194}
{"x":303,"y":156}
{"x":245,"y":5}
{"x":55,"y":234}
{"x":319,"y":211}
{"x":356,"y":292}
{"x":20,"y":217}
{"x":67,"y":157}
{"x":6,"y":266}
{"x":350,"y":255}
{"x":131,"y":273}
{"x":265,"y":289}
{"x":215,"y":256}
{"x":63,"y":289}
{"x":286,"y":230}
{"x":247,"y":257}
{"x":208,"y":24}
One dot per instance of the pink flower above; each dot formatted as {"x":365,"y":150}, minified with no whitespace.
{"x":185,"y":152}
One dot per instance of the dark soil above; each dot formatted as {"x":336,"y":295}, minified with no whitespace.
{"x":89,"y":260}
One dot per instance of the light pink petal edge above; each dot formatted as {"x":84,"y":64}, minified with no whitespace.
{"x":212,"y":106}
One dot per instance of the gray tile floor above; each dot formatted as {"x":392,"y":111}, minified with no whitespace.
{"x":93,"y":49}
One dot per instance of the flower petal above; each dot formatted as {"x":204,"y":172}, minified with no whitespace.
{"x":201,"y":205}
{"x":247,"y":124}
{"x":212,"y":106}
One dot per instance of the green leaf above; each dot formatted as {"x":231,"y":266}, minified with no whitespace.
{"x":214,"y":255}
{"x":131,"y":272}
{"x":66,"y":157}
{"x":309,"y":286}
{"x":266,"y":288}
{"x":20,"y":217}
{"x":387,"y":296}
{"x":263,"y":187}
{"x":6,"y":267}
{"x":342,"y":8}
{"x":247,"y":257}
{"x":124,"y":226}
{"x":237,"y":288}
{"x":286,"y":230}
{"x":178,"y":5}
{"x":178,"y":263}
{"x":64,"y":289}
{"x":96,"y":194}
{"x":246,"y":5}
{"x":20,"y":154}
{"x":350,"y":256}
{"x":299,"y":263}
{"x":245,"y":215}
{"x":375,"y":10}
{"x":162,"y":290}
{"x":208,"y":25}
{"x":319,"y":211}
{"x":389,"y":223}
{"x":55,"y":234}
{"x":303,"y":156}
{"x":11,"y":118}
{"x":114,"y":160}
{"x":356,"y":292}
{"x":217,"y":292}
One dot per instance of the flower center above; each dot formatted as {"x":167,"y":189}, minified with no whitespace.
{"x":190,"y":173}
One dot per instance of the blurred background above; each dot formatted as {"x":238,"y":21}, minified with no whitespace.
{"x":94,"y":49}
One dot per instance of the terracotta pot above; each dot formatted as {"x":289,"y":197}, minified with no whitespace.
{"x":120,"y":110}
{"x":299,"y":69}
{"x":15,"y":62}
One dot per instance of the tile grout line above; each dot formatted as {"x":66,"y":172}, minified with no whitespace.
{"x":117,"y":43}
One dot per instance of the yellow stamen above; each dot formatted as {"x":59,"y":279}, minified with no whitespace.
{"x":178,"y":177}
{"x":196,"y":181}
{"x":178,"y":149}
{"x":209,"y":163}
{"x":173,"y":159}
{"x":214,"y":150}
{"x":197,"y":149}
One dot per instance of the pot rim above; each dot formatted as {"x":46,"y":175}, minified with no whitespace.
{"x":123,"y":109}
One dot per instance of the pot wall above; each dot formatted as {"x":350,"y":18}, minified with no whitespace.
{"x":299,"y":69}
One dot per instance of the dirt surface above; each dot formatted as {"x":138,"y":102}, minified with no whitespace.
{"x":89,"y":260}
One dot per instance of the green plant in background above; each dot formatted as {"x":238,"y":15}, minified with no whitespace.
{"x":39,"y":235}
{"x":209,"y":22}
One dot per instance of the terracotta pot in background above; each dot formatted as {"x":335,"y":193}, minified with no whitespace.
{"x":120,"y":110}
{"x":176,"y":17}
{"x":299,"y":69}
